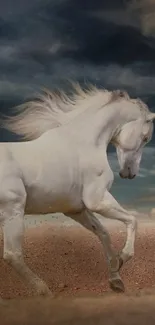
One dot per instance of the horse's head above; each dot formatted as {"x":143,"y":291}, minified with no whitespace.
{"x":130,"y":140}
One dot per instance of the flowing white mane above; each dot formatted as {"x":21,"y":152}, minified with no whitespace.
{"x":55,"y":108}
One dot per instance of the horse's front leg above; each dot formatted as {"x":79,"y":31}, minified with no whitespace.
{"x":88,"y":220}
{"x":102,"y":202}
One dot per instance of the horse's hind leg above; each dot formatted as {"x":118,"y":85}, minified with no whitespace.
{"x":12,"y":215}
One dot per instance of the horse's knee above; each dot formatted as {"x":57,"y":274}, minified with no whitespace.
{"x":7,"y":256}
{"x":131,"y":221}
{"x":11,"y":258}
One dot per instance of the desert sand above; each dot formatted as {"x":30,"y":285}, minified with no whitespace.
{"x":71,"y":261}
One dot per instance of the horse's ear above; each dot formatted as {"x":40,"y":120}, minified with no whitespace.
{"x":150,"y":117}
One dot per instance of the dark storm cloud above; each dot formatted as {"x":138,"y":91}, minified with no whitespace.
{"x":44,"y":42}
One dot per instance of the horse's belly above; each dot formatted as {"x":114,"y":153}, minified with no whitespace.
{"x":41,"y":202}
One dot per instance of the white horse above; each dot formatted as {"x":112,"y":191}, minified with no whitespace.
{"x":64,"y":168}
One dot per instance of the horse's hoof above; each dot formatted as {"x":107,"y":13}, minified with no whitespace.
{"x":47,"y":293}
{"x":44,"y":291}
{"x":117,"y":285}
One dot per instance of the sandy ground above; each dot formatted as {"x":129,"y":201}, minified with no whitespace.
{"x":71,"y":261}
{"x":111,"y":310}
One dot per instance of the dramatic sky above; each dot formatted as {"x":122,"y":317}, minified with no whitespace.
{"x":108,"y":42}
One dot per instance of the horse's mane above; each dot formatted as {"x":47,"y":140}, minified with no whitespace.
{"x":52,"y":109}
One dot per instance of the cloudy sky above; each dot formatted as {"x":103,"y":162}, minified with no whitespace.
{"x":110,"y":43}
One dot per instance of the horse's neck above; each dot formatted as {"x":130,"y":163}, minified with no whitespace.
{"x":97,"y":126}
{"x":87,"y":102}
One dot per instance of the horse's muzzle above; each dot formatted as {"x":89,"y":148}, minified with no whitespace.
{"x":128,"y":174}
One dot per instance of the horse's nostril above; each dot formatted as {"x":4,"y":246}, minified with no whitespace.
{"x":132,"y":176}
